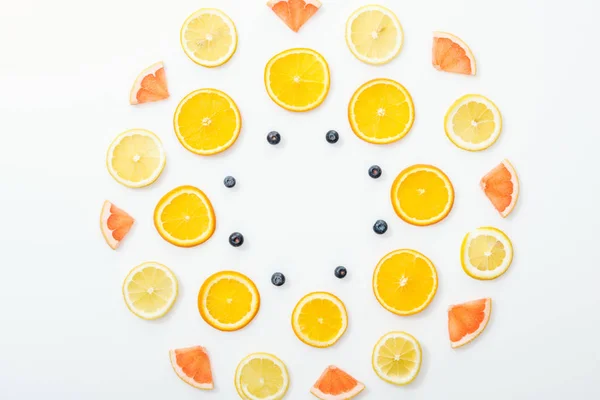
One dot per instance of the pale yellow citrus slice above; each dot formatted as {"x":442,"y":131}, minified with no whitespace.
{"x":261,"y":376}
{"x":397,"y":358}
{"x":150,"y":290}
{"x":319,"y":319}
{"x":473,"y":122}
{"x":486,"y":253}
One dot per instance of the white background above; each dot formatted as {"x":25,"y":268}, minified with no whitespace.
{"x":304,"y":207}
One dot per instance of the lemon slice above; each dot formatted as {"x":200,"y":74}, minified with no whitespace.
{"x":381,"y":111}
{"x":208,"y":37}
{"x":136,"y":158}
{"x":486,"y":253}
{"x":397,"y":358}
{"x":261,"y":376}
{"x":319,"y":319}
{"x":297,"y":79}
{"x":473,"y":122}
{"x":374,"y":34}
{"x":150,"y":290}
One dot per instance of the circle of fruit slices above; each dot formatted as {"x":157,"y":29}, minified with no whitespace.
{"x":261,"y":376}
{"x":150,"y":290}
{"x":374,"y":34}
{"x":501,"y":186}
{"x":297,"y":79}
{"x":397,"y":358}
{"x":228,"y":300}
{"x":136,"y":158}
{"x":381,"y":111}
{"x":473,"y":122}
{"x":319,"y":319}
{"x":208,"y":37}
{"x":405,"y":282}
{"x":335,"y":384}
{"x":450,"y":54}
{"x":207,"y":122}
{"x":422,"y":195}
{"x":486,"y":253}
{"x":192,"y":365}
{"x":185,"y":217}
{"x":466,"y":321}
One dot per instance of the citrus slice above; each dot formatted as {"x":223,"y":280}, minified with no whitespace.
{"x":294,"y":13}
{"x":335,"y":384}
{"x":261,"y":376}
{"x":405,"y":282}
{"x":381,"y":111}
{"x":136,"y":158}
{"x":319,"y":319}
{"x":501,"y":186}
{"x":228,"y":300}
{"x":374,"y":34}
{"x":297,"y":79}
{"x":450,"y":54}
{"x":114,"y":224}
{"x":207,"y":122}
{"x":150,"y":290}
{"x":185,"y":217}
{"x":150,"y":85}
{"x":466,"y":321}
{"x":208,"y":37}
{"x":422,"y":195}
{"x":486,"y":253}
{"x":192,"y":365}
{"x":397,"y":358}
{"x":473,"y":122}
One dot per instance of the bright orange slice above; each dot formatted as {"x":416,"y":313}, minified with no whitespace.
{"x":450,"y":54}
{"x":294,"y":13}
{"x":335,"y":384}
{"x":150,"y":85}
{"x":192,"y":365}
{"x":501,"y":186}
{"x":466,"y":321}
{"x":114,"y":223}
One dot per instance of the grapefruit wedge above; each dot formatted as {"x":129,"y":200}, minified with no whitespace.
{"x":501,"y":186}
{"x":467,"y":320}
{"x":294,"y":13}
{"x":335,"y":384}
{"x":450,"y":54}
{"x":114,"y":223}
{"x":192,"y":365}
{"x":150,"y":85}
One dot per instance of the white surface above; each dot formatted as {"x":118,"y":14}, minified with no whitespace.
{"x":304,"y":207}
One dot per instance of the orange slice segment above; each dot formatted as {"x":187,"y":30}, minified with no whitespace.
{"x":466,"y":321}
{"x":114,"y":223}
{"x":294,"y":13}
{"x":450,"y":54}
{"x":192,"y":365}
{"x":501,"y":186}
{"x":335,"y":384}
{"x":150,"y":85}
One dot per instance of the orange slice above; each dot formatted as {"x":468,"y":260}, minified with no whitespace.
{"x":335,"y":384}
{"x":450,"y":54}
{"x":192,"y":365}
{"x":294,"y":13}
{"x":466,"y":321}
{"x":319,"y":319}
{"x":114,"y":223}
{"x":501,"y":186}
{"x":150,"y":85}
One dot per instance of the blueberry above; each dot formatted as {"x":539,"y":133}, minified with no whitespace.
{"x":229,"y":181}
{"x":236,"y":239}
{"x":340,"y":272}
{"x":278,"y":279}
{"x":332,"y":137}
{"x":380,"y":227}
{"x":274,"y":138}
{"x":375,"y":171}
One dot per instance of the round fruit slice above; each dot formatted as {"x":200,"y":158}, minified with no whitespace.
{"x":294,"y":13}
{"x":150,"y":290}
{"x":501,"y":186}
{"x":422,"y":195}
{"x":466,"y":321}
{"x":319,"y":319}
{"x":207,"y":122}
{"x":208,"y":37}
{"x":228,"y":300}
{"x":405,"y":282}
{"x":297,"y":79}
{"x":335,"y":384}
{"x":397,"y":358}
{"x":261,"y":376}
{"x":374,"y":34}
{"x":114,"y":223}
{"x":150,"y":85}
{"x":450,"y":54}
{"x":192,"y":365}
{"x":381,"y":111}
{"x":486,"y":253}
{"x":136,"y":158}
{"x":473,"y":122}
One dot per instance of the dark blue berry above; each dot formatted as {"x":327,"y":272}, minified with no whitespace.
{"x":375,"y":171}
{"x":229,"y":181}
{"x":236,"y":239}
{"x":332,"y":137}
{"x":273,"y":138}
{"x":380,"y":227}
{"x":340,"y":272}
{"x":278,"y":279}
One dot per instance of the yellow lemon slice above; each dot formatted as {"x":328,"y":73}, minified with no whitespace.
{"x":374,"y":34}
{"x":228,"y":300}
{"x":297,"y":79}
{"x":397,"y":358}
{"x":381,"y":111}
{"x":486,"y":253}
{"x":422,"y":195}
{"x":208,"y":37}
{"x":185,"y":217}
{"x":261,"y":376}
{"x":207,"y":122}
{"x":405,"y":282}
{"x":473,"y":122}
{"x":319,"y":319}
{"x":150,"y":290}
{"x":136,"y":158}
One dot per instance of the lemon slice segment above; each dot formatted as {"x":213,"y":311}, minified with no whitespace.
{"x":150,"y":290}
